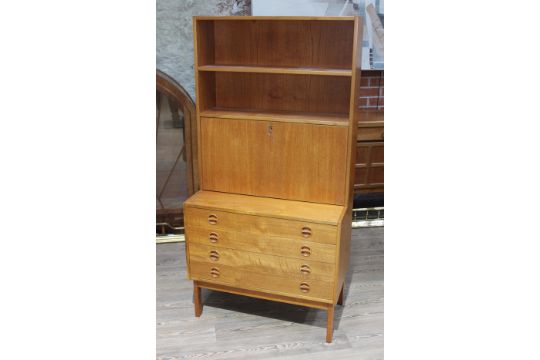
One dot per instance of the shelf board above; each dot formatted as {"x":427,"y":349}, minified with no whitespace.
{"x":268,"y":207}
{"x":276,"y":70}
{"x":279,"y":18}
{"x":281,"y":116}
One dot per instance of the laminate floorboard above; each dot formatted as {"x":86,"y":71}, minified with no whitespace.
{"x":239,"y":327}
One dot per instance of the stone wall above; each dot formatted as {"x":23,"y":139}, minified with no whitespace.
{"x":174,"y":37}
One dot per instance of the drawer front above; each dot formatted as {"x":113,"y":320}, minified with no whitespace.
{"x":265,"y":244}
{"x":370,"y":133}
{"x":292,"y":229}
{"x":318,"y":290}
{"x":249,"y":262}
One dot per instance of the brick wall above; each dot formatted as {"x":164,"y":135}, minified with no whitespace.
{"x":372,"y":90}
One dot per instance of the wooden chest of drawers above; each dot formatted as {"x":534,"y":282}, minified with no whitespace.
{"x":252,"y":245}
{"x":275,"y":249}
{"x":276,"y":127}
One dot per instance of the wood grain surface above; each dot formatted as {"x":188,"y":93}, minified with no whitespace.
{"x":277,"y":208}
{"x":279,"y":116}
{"x":317,"y":290}
{"x":265,"y":244}
{"x":258,"y":225}
{"x":240,"y":327}
{"x":302,"y":93}
{"x":279,"y":160}
{"x":249,"y":262}
{"x":298,"y":43}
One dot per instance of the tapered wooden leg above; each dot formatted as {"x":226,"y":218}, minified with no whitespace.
{"x":330,"y":324}
{"x":197,"y":299}
{"x":340,"y":299}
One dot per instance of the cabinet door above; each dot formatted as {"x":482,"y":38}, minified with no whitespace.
{"x":369,"y":174}
{"x":276,"y":159}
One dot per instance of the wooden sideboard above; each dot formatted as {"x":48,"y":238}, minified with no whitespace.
{"x":369,"y":167}
{"x":277,"y":125}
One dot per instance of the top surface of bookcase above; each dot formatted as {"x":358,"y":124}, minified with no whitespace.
{"x":342,"y":18}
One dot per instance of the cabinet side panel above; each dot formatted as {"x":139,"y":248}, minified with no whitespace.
{"x":354,"y":113}
{"x":343,"y":251}
{"x":345,"y":229}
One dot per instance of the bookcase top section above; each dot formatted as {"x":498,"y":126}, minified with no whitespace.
{"x":262,"y":206}
{"x":332,"y":18}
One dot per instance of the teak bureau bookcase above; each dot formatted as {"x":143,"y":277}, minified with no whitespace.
{"x":277,"y":120}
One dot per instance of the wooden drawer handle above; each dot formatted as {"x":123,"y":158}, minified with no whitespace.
{"x":305,"y":270}
{"x":213,"y":237}
{"x":214,"y":256}
{"x":214,"y":272}
{"x":304,"y":287}
{"x":305,"y":251}
{"x":306,"y":232}
{"x":212,"y":219}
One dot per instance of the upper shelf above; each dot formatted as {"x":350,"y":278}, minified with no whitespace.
{"x":276,"y":70}
{"x":275,"y":43}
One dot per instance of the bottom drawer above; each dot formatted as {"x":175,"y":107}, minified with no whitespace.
{"x":229,"y":275}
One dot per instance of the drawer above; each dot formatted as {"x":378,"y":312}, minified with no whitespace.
{"x":249,"y":262}
{"x":260,"y":225}
{"x":375,"y":133}
{"x":266,"y":244}
{"x":318,"y":290}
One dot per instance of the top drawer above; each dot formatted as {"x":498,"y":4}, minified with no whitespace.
{"x":293,"y":229}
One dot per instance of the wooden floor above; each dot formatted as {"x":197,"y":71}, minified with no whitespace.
{"x":237,"y":327}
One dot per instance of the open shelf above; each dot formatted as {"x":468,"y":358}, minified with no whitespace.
{"x":269,"y":42}
{"x":276,"y":70}
{"x":274,"y":93}
{"x":278,"y":116}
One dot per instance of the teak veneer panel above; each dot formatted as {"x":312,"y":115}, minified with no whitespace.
{"x":264,"y":244}
{"x":279,"y":116}
{"x":277,"y":70}
{"x":262,"y":263}
{"x":261,"y":295}
{"x":293,"y":43}
{"x":276,"y":92}
{"x":277,"y":123}
{"x":319,"y":290}
{"x":275,"y":208}
{"x":259,"y":225}
{"x":281,"y":160}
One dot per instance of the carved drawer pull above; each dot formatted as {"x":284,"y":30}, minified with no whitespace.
{"x":214,"y":256}
{"x":304,"y":287}
{"x":306,"y":232}
{"x":305,"y":270}
{"x":214,"y":272}
{"x":213,"y":237}
{"x":212,"y":219}
{"x":305,"y":251}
